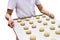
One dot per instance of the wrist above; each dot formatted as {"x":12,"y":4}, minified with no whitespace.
{"x":45,"y":12}
{"x":8,"y":17}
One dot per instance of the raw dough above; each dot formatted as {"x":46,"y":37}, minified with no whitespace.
{"x":19,"y":20}
{"x":52,"y":28}
{"x":52,"y":39}
{"x":57,"y":32}
{"x":26,"y":28}
{"x":41,"y":29}
{"x":47,"y":19}
{"x":27,"y":19}
{"x":33,"y":26}
{"x":31,"y":22}
{"x":32,"y":37}
{"x":53,"y":22}
{"x":39,"y":21}
{"x":37,"y":17}
{"x":59,"y":26}
{"x":43,"y":16}
{"x":46,"y":34}
{"x":45,"y":23}
{"x":22,"y":24}
{"x":28,"y":32}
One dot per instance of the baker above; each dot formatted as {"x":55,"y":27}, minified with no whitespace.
{"x":24,"y":8}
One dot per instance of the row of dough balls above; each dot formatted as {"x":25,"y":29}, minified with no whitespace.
{"x":39,"y":21}
{"x":28,"y":19}
{"x":43,"y":16}
{"x":37,"y":17}
{"x":27,"y":29}
{"x":46,"y":34}
{"x":41,"y":30}
{"x":33,"y":37}
{"x":34,"y":26}
{"x":51,"y":28}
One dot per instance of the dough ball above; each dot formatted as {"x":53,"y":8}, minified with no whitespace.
{"x":31,"y":22}
{"x":43,"y":16}
{"x":32,"y":37}
{"x":52,"y":28}
{"x":53,"y":22}
{"x":39,"y":21}
{"x":22,"y":24}
{"x":46,"y":34}
{"x":47,"y":19}
{"x":57,"y":32}
{"x":19,"y":20}
{"x":37,"y":17}
{"x":52,"y":39}
{"x":45,"y":23}
{"x":33,"y":26}
{"x":59,"y":26}
{"x":26,"y":28}
{"x":27,"y":19}
{"x":41,"y":29}
{"x":28,"y":32}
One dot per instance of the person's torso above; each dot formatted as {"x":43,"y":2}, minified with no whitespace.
{"x":25,"y":8}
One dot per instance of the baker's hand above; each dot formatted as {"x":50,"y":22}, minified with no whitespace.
{"x":10,"y":23}
{"x":51,"y":15}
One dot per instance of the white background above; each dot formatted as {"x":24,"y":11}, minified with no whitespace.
{"x":6,"y":33}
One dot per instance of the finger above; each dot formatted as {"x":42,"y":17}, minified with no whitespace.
{"x":52,"y":16}
{"x":10,"y":25}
